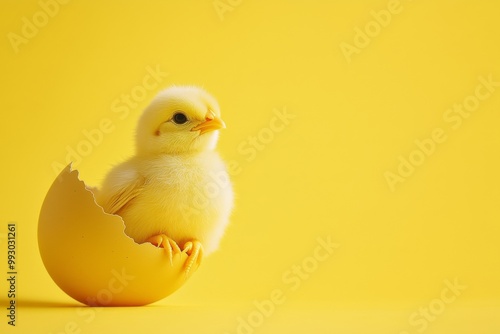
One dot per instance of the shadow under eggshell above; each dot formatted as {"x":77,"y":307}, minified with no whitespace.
{"x":88,"y":255}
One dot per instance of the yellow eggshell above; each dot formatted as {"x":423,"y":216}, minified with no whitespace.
{"x":88,"y":255}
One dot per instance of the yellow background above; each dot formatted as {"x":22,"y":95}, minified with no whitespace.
{"x":323,"y":175}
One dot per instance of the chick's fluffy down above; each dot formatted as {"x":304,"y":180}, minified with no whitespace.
{"x":184,"y":198}
{"x":176,"y":184}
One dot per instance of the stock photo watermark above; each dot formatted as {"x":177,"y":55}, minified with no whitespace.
{"x":420,"y":319}
{"x":84,"y":315}
{"x":292,"y":278}
{"x":10,"y":238}
{"x":31,"y":26}
{"x":248,"y":149}
{"x":454,"y":118}
{"x":223,"y":6}
{"x":253,"y":144}
{"x":121,"y":108}
{"x":373,"y":28}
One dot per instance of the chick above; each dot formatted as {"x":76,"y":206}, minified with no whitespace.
{"x":175,"y":190}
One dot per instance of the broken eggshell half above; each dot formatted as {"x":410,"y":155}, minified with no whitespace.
{"x":89,"y":256}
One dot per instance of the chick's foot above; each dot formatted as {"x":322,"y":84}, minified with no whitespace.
{"x":194,"y":250}
{"x":170,"y":246}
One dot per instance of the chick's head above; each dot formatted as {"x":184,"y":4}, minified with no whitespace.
{"x":180,"y":119}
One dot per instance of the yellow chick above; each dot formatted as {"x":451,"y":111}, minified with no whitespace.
{"x":176,"y":189}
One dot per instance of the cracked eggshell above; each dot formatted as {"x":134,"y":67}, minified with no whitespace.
{"x":89,"y":256}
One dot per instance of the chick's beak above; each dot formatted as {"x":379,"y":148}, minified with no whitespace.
{"x":211,"y":123}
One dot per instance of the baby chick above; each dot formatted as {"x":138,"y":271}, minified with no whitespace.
{"x":175,"y":190}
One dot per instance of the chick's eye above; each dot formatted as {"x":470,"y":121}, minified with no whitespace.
{"x":179,"y":118}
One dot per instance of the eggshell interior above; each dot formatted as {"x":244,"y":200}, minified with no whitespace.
{"x":89,"y":256}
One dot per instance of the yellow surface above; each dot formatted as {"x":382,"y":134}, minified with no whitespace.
{"x":365,"y":188}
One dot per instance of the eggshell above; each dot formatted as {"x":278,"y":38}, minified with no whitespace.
{"x":88,"y":255}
